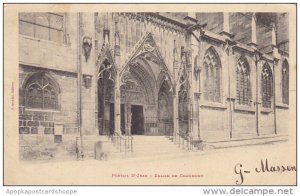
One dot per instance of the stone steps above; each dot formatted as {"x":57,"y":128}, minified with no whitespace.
{"x":149,"y":147}
{"x":267,"y":139}
{"x":141,"y":146}
{"x":153,"y":146}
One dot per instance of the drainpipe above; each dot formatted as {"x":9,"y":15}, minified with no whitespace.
{"x":95,"y":73}
{"x":79,"y":75}
{"x":229,"y":50}
{"x":256,"y":97}
{"x":274,"y":98}
{"x":257,"y":56}
{"x":275,"y":54}
{"x":229,"y":93}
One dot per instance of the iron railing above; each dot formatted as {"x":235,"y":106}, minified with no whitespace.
{"x":184,"y":140}
{"x":121,"y":142}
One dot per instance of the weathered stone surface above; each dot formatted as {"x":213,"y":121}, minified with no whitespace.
{"x":33,"y":123}
{"x":24,"y":130}
{"x":25,"y":117}
{"x":45,"y":124}
{"x":21,"y":109}
{"x":48,"y":130}
{"x":38,"y":117}
{"x":34,"y":130}
{"x":48,"y":117}
{"x":51,"y":124}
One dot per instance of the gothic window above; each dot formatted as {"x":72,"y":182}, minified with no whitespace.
{"x":42,"y":25}
{"x":267,"y":86}
{"x":243,"y":90}
{"x":212,"y":76}
{"x":41,"y":92}
{"x":285,"y":82}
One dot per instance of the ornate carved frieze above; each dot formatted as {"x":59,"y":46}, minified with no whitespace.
{"x":132,"y":92}
{"x":157,"y":20}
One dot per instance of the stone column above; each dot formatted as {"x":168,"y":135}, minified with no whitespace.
{"x":274,"y":94}
{"x":273,"y":34}
{"x":253,"y":29}
{"x":175,"y":94}
{"x":226,"y":22}
{"x":230,"y":93}
{"x":128,"y":118}
{"x":88,"y":61}
{"x":191,"y":104}
{"x":117,"y":92}
{"x":197,"y":106}
{"x":117,"y":105}
{"x":276,"y":57}
{"x":257,"y":59}
{"x":190,"y":89}
{"x":175,"y":115}
{"x":228,"y":49}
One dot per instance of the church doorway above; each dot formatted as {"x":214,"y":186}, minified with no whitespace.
{"x":137,"y":120}
{"x":144,"y":92}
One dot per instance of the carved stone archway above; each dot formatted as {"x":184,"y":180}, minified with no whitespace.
{"x":146,"y":67}
{"x":105,"y":74}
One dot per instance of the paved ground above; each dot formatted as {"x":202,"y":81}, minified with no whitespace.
{"x":201,"y":168}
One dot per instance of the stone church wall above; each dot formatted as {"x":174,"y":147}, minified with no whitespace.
{"x":31,"y":119}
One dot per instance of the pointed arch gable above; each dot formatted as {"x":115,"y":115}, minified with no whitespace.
{"x":106,"y":57}
{"x":147,"y":45}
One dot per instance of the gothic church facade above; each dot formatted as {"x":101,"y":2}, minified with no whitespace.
{"x":205,"y":76}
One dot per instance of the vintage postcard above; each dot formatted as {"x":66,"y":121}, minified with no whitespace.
{"x":150,"y":94}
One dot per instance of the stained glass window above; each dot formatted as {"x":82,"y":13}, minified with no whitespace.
{"x":41,"y":92}
{"x":267,"y":86}
{"x":243,"y":90}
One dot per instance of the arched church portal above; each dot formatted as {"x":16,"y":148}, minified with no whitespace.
{"x":146,"y":95}
{"x":105,"y":89}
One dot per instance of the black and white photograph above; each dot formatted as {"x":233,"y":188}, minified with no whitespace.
{"x":120,"y":95}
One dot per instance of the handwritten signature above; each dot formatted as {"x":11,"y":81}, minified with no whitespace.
{"x":262,"y":168}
